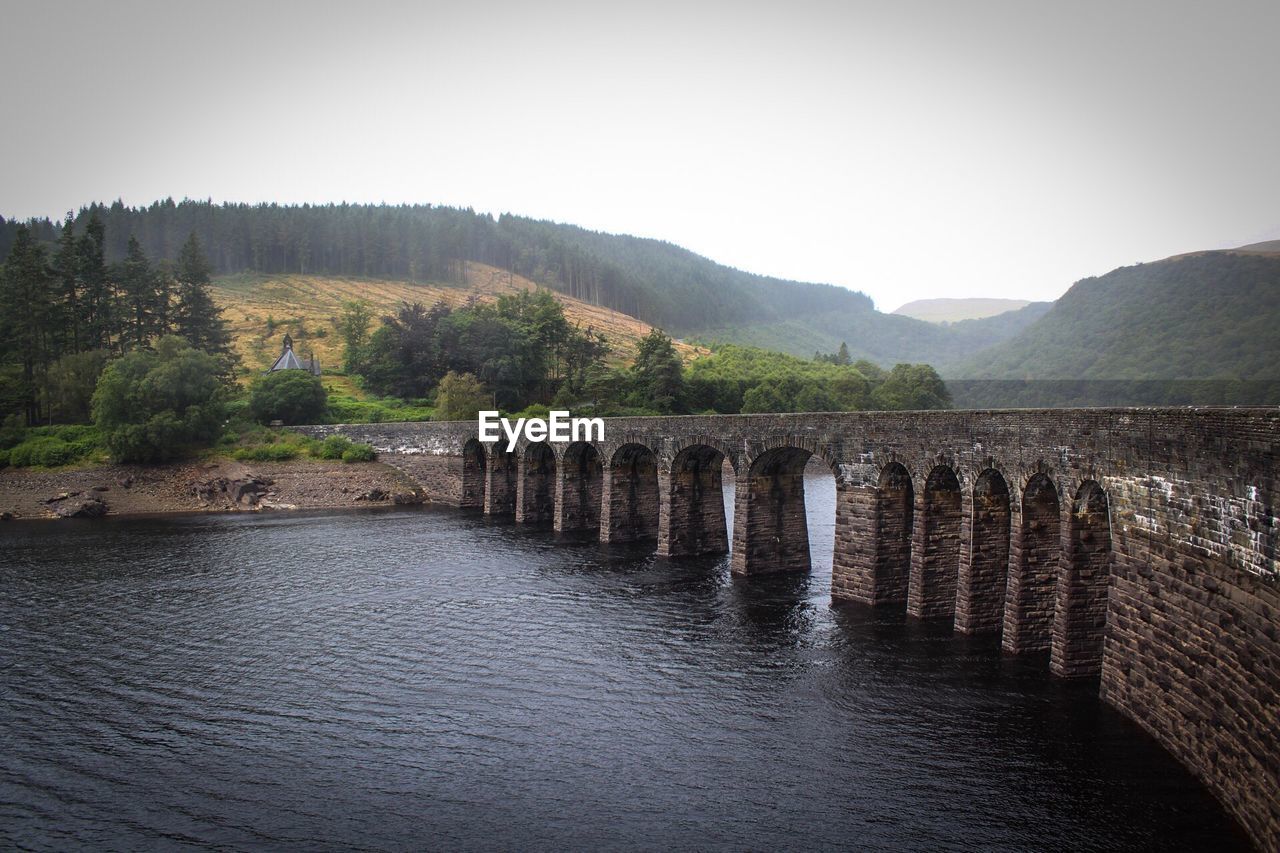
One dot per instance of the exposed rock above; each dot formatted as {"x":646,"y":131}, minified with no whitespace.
{"x":248,"y":490}
{"x":87,"y":506}
{"x":209,"y":490}
{"x":242,"y":491}
{"x":406,"y":498}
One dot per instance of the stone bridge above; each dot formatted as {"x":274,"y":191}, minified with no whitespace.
{"x":1138,"y":545}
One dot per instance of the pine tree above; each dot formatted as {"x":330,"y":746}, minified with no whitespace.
{"x":659,"y":373}
{"x":141,"y":316}
{"x":195,"y":316}
{"x":26,"y":315}
{"x":67,"y":267}
{"x":96,"y":302}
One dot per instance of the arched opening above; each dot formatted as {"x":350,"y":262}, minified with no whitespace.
{"x":473,"y":465}
{"x":629,"y":496}
{"x":536,"y":498}
{"x":935,"y":553}
{"x":577,"y":505}
{"x":501,"y":482}
{"x":1080,"y":618}
{"x":984,"y":567}
{"x":691,"y":519}
{"x":1033,"y":569}
{"x":770,"y":525}
{"x":886,"y":546}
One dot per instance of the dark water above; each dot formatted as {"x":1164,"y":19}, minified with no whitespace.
{"x":427,"y":679}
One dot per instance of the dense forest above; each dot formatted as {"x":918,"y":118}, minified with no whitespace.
{"x":652,"y":280}
{"x":66,"y":310}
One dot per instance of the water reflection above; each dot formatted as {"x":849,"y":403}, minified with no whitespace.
{"x":429,"y":678}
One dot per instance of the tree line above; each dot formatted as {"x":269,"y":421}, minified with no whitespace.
{"x":66,"y":310}
{"x":521,"y":347}
{"x":521,"y":353}
{"x":649,"y":279}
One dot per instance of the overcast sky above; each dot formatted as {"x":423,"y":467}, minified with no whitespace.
{"x":905,"y":149}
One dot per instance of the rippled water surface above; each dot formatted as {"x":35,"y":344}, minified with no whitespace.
{"x":425,"y":678}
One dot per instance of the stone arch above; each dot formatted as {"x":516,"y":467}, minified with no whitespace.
{"x":895,"y":507}
{"x":1033,"y":567}
{"x":770,"y":525}
{"x":502,"y":471}
{"x":811,"y":447}
{"x":473,"y":474}
{"x":691,"y":516}
{"x":1080,"y":616}
{"x":536,"y":484}
{"x":629,"y":504}
{"x":578,"y":488}
{"x":677,"y":447}
{"x":984,"y":564}
{"x":935,"y":550}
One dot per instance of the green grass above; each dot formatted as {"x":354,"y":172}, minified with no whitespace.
{"x":349,"y":404}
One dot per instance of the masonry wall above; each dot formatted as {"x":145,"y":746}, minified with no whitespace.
{"x":1191,"y":644}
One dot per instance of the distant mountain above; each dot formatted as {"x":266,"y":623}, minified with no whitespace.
{"x":1201,"y":327}
{"x":951,"y":310}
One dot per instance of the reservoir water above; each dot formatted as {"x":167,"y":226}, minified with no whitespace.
{"x":425,"y":678}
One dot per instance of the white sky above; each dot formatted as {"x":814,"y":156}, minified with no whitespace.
{"x":905,"y":149}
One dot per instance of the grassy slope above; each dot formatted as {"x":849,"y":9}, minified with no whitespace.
{"x":303,"y":307}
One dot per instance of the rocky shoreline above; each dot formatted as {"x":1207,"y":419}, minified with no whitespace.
{"x":217,"y":486}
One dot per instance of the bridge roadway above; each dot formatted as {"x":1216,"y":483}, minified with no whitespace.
{"x":1134,"y":545}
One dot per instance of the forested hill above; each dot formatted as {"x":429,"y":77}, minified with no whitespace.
{"x":655,"y":281}
{"x":1203,"y":316}
{"x":652,"y":280}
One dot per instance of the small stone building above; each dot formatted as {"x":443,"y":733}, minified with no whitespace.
{"x":288,"y":360}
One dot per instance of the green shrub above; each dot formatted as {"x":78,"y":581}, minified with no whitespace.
{"x":333,"y":447}
{"x":291,"y":396}
{"x":238,"y":411}
{"x":280,"y":452}
{"x":44,"y":451}
{"x":359,"y":453}
{"x":536,"y":410}
{"x":153,"y":406}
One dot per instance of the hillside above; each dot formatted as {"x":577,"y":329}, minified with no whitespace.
{"x":1192,"y":317}
{"x":950,"y":310}
{"x":262,"y":308}
{"x":886,"y":339}
{"x":1204,"y":317}
{"x":654,"y":281}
